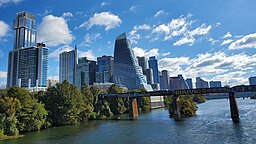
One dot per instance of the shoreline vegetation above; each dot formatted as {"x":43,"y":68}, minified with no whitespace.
{"x":23,"y":111}
{"x":186,"y":105}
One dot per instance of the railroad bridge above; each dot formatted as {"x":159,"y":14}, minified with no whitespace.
{"x":133,"y":108}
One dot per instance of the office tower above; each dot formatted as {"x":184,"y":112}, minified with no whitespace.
{"x":164,"y":80}
{"x":149,"y":75}
{"x":214,"y":84}
{"x":105,"y":69}
{"x":127,"y":71}
{"x":142,"y":63}
{"x":152,"y":63}
{"x":67,"y":67}
{"x":189,"y":82}
{"x":252,"y":80}
{"x":177,"y":83}
{"x":200,"y":83}
{"x":82,"y":72}
{"x":92,"y":71}
{"x":28,"y":61}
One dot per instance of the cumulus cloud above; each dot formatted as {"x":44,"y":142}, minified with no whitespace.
{"x":55,"y":54}
{"x":226,"y":42}
{"x":134,"y":36}
{"x":4,"y":2}
{"x":67,"y":14}
{"x":167,"y":53}
{"x":3,"y":74}
{"x":4,"y":27}
{"x":141,"y":52}
{"x":248,"y":41}
{"x":104,"y":4}
{"x":159,"y":13}
{"x":227,"y":35}
{"x":106,"y":19}
{"x":54,"y":30}
{"x":90,"y":38}
{"x":232,"y":78}
{"x":88,"y":54}
{"x":180,"y":27}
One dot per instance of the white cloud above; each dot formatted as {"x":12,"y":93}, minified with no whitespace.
{"x":106,"y":19}
{"x":133,"y":8}
{"x":186,"y":40}
{"x":141,"y":52}
{"x":2,"y":83}
{"x":133,"y":36}
{"x":3,"y":74}
{"x":4,"y":27}
{"x":53,"y":77}
{"x":217,"y":24}
{"x":226,"y":42}
{"x":248,"y":41}
{"x":159,"y":13}
{"x":104,"y":4}
{"x":167,"y":53}
{"x":227,"y":35}
{"x":4,"y":2}
{"x":67,"y":14}
{"x":213,"y":41}
{"x":142,"y":27}
{"x":89,"y":38}
{"x":88,"y":54}
{"x":55,"y":54}
{"x":232,"y":78}
{"x":202,"y":30}
{"x":54,"y":30}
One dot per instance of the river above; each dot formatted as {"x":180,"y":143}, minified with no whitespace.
{"x":212,"y":124}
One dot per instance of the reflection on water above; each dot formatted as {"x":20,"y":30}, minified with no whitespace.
{"x":212,"y":124}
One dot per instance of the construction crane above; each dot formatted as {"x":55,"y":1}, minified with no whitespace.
{"x":41,"y":44}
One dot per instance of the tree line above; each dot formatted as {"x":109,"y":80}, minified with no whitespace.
{"x":63,"y":104}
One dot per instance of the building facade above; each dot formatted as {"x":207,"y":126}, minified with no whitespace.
{"x":28,"y":61}
{"x":189,"y":83}
{"x":82,"y":72}
{"x":67,"y":66}
{"x":177,"y":83}
{"x":164,"y":80}
{"x":152,"y":63}
{"x":149,"y":75}
{"x":214,"y":84}
{"x":200,"y":83}
{"x":252,"y":80}
{"x":105,"y":69}
{"x":142,"y":63}
{"x":127,"y":71}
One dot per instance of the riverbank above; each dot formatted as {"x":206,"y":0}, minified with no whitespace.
{"x":10,"y":137}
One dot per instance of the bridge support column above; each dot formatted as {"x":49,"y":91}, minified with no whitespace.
{"x":175,"y":107}
{"x":233,"y":107}
{"x":133,"y":108}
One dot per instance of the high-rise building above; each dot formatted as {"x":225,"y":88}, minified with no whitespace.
{"x":142,"y":63}
{"x":214,"y":84}
{"x":164,"y":80}
{"x":252,"y":80}
{"x":200,"y":83}
{"x":82,"y":72}
{"x":152,"y":63}
{"x":189,"y":82}
{"x":177,"y":83}
{"x":92,"y":71}
{"x":105,"y":69}
{"x":28,"y":61}
{"x":67,"y":67}
{"x":149,"y":75}
{"x":127,"y":71}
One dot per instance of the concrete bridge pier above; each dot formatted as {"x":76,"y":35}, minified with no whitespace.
{"x":233,"y":107}
{"x":133,"y":108}
{"x":175,"y":107}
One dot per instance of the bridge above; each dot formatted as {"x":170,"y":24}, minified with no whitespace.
{"x":133,"y":108}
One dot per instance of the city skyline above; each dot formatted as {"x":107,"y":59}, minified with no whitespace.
{"x":215,"y":43}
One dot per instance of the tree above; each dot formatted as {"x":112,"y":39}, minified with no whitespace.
{"x":66,"y":104}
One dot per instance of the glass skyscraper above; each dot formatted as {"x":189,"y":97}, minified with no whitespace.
{"x":28,"y":61}
{"x":127,"y":71}
{"x":105,"y":69}
{"x":68,"y":63}
{"x":152,"y":63}
{"x":82,"y":72}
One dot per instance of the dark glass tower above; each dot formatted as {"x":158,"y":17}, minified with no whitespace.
{"x":152,"y":63}
{"x":27,"y":62}
{"x":127,"y":71}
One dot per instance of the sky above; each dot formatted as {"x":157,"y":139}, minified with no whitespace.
{"x":213,"y":39}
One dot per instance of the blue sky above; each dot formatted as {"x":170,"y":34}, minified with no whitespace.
{"x":215,"y":40}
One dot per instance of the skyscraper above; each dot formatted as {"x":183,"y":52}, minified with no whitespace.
{"x":28,"y":61}
{"x":82,"y":72}
{"x":149,"y":75}
{"x":68,"y":63}
{"x":165,"y":80}
{"x":214,"y":84}
{"x":178,"y":83}
{"x":189,"y":82}
{"x":252,"y":80}
{"x":152,"y":63}
{"x":105,"y":69}
{"x":126,"y":68}
{"x":200,"y":83}
{"x":142,"y":63}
